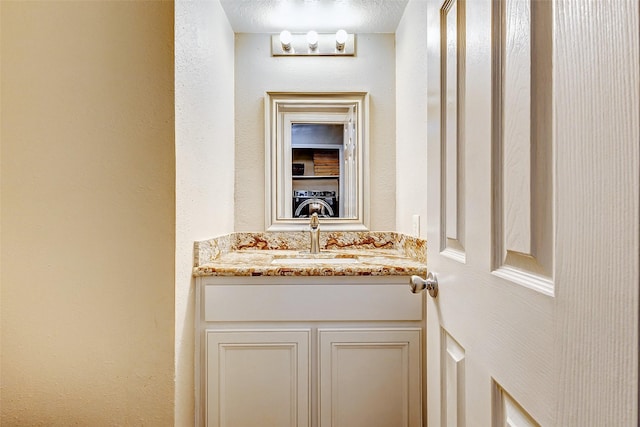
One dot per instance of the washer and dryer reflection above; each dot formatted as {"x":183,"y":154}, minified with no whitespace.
{"x":306,"y":202}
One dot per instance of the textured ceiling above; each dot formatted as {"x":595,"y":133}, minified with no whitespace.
{"x":355,"y":16}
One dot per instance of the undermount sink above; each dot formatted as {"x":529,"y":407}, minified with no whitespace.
{"x":314,"y":260}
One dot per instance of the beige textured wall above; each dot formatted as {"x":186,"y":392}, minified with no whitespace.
{"x":88,"y":213}
{"x":204,"y":163}
{"x":411,"y":119}
{"x":256,"y":72}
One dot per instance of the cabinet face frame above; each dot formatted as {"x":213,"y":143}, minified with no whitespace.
{"x":278,"y":195}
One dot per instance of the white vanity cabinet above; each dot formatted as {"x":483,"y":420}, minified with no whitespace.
{"x":308,"y":352}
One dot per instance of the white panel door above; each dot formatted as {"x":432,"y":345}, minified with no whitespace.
{"x":533,"y":219}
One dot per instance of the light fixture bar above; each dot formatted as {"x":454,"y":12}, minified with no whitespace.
{"x":326,"y":45}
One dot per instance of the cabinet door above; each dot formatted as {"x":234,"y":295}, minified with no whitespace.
{"x":257,"y":378}
{"x":370,"y":377}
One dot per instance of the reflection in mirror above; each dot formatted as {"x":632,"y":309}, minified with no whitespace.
{"x":316,"y":160}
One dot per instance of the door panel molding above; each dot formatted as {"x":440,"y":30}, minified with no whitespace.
{"x":522,"y":166}
{"x":507,"y":412}
{"x":453,"y":381}
{"x":452,"y":28}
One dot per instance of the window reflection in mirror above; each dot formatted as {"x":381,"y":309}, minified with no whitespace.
{"x":316,"y":146}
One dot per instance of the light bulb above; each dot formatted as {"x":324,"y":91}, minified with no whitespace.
{"x":285,"y":40}
{"x":312,"y":39}
{"x":341,"y":39}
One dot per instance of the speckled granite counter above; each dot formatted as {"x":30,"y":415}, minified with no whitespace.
{"x":283,"y":254}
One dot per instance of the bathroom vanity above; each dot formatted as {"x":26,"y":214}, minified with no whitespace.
{"x":288,"y":338}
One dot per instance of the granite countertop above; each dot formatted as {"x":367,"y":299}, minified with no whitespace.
{"x":286,"y":254}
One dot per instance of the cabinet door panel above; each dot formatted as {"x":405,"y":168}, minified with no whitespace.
{"x":258,"y":378}
{"x":370,"y":377}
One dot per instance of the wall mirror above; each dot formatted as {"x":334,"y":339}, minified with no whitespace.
{"x":316,"y":160}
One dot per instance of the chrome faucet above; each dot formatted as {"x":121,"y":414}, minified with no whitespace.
{"x":314,"y":230}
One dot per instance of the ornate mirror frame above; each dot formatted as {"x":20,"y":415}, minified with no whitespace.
{"x":281,"y":108}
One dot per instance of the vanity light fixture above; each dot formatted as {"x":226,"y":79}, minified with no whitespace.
{"x":312,"y":43}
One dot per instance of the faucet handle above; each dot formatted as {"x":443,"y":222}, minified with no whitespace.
{"x":315,"y":222}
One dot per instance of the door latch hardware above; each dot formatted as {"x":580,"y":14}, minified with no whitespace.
{"x":418,"y":284}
